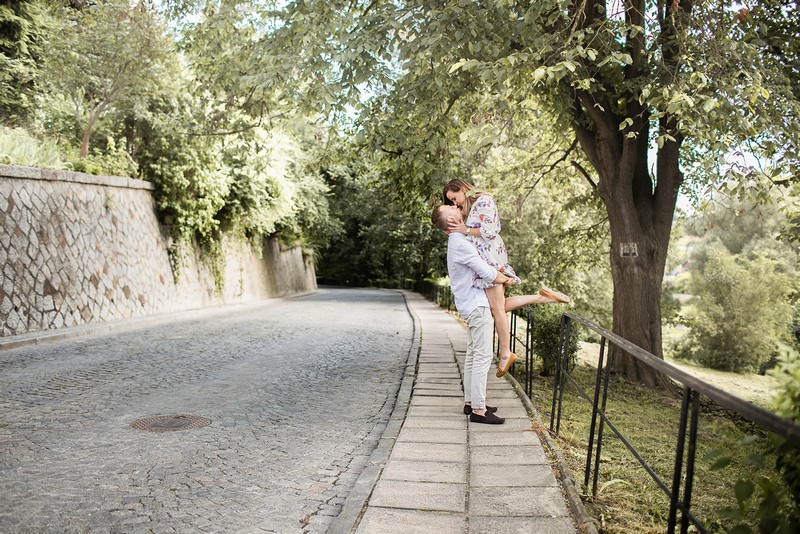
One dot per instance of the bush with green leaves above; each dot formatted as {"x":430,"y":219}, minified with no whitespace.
{"x":547,"y":336}
{"x":112,"y":159}
{"x":741,"y":312}
{"x":787,"y":404}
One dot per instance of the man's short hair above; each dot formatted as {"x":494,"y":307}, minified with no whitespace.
{"x":439,"y":218}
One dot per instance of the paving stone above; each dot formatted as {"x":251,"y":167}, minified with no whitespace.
{"x":433,"y":435}
{"x":446,"y":392}
{"x":392,"y":521}
{"x":510,"y":425}
{"x":440,"y":422}
{"x":445,"y":402}
{"x":419,"y":495}
{"x":511,"y":475}
{"x":424,"y":471}
{"x":507,"y":455}
{"x":517,"y":501}
{"x":505,"y":438}
{"x":434,"y":452}
{"x":521,"y":525}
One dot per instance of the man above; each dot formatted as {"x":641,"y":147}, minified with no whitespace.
{"x":463,"y":263}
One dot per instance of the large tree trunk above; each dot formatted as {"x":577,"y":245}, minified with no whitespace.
{"x":638,"y":258}
{"x":640,"y":207}
{"x":640,"y":211}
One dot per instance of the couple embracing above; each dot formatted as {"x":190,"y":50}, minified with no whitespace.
{"x":477,"y":263}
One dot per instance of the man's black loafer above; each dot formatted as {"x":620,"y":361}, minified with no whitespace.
{"x":468,"y":409}
{"x":488,"y":419}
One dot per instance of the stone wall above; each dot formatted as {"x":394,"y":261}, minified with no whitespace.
{"x":76,"y":249}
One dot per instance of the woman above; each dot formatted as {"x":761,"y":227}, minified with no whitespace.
{"x":482,"y":225}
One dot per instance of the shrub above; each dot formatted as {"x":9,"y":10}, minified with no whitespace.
{"x":787,"y":404}
{"x":547,"y":335}
{"x":741,"y":312}
{"x":113,"y":160}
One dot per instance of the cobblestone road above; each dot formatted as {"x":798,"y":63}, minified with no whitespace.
{"x":294,"y":388}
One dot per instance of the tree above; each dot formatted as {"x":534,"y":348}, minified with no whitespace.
{"x":104,"y":54}
{"x":744,"y":277}
{"x":377,"y":243}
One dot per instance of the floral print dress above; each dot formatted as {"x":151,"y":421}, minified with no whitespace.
{"x":484,"y":216}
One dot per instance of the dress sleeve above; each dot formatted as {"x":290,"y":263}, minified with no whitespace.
{"x":485,"y":210}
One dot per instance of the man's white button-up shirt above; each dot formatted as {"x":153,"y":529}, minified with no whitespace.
{"x":463,"y":262}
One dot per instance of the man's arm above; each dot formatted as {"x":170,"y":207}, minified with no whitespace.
{"x":466,"y":254}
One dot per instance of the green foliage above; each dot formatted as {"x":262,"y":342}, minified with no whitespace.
{"x":272,"y":185}
{"x":111,"y":160}
{"x":741,"y":313}
{"x":787,"y":404}
{"x":553,"y":225}
{"x":23,"y":27}
{"x":744,"y":274}
{"x":18,"y":147}
{"x":378,"y":243}
{"x":546,"y":338}
{"x":186,"y":171}
{"x":105,"y":56}
{"x":759,"y":500}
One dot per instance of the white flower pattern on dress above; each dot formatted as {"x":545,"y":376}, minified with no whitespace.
{"x":490,"y":245}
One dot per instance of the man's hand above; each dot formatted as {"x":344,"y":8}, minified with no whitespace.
{"x":503,"y":279}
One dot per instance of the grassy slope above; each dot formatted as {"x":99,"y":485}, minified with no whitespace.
{"x":628,"y":500}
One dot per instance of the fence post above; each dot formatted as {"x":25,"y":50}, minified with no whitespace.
{"x":593,"y":425}
{"x":676,"y":473}
{"x":529,"y":354}
{"x":563,"y":355}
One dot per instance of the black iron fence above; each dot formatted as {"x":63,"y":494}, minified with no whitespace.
{"x":678,"y":489}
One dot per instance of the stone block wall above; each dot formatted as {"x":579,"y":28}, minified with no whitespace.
{"x":77,"y":248}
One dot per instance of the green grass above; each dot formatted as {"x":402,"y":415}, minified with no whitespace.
{"x":628,"y":500}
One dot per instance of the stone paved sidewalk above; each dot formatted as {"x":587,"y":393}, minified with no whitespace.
{"x":439,"y":473}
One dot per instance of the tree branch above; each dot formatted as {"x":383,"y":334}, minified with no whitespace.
{"x":585,"y":175}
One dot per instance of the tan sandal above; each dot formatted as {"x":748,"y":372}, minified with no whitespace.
{"x":554,"y":295}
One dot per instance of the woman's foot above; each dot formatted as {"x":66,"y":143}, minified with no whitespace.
{"x":556,"y":296}
{"x":505,"y":365}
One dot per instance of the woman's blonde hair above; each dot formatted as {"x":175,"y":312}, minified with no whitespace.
{"x":469,"y":190}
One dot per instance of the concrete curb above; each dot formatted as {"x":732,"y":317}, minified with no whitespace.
{"x":356,"y":502}
{"x":584,"y":521}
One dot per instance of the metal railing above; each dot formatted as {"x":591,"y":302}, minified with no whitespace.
{"x":438,"y":294}
{"x":679,"y":491}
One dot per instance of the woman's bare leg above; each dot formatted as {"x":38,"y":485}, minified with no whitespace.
{"x":518,"y":301}
{"x":496,"y":296}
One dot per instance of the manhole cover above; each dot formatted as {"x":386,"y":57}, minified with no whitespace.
{"x":170,"y":423}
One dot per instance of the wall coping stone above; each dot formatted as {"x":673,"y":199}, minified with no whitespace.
{"x":51,"y":175}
